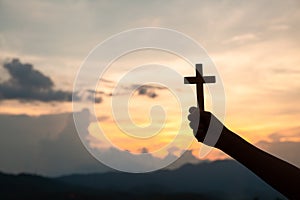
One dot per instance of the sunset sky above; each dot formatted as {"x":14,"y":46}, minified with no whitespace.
{"x":255,"y":46}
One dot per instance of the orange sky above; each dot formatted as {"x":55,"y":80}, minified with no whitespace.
{"x":255,"y":52}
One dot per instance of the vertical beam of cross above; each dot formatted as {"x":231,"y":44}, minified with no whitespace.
{"x":199,"y":80}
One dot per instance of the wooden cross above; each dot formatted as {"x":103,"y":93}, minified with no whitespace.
{"x":199,"y":80}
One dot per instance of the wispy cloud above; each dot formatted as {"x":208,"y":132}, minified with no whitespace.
{"x":242,"y":39}
{"x":148,"y":90}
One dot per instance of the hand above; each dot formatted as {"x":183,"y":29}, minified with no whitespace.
{"x":201,"y":121}
{"x":279,"y":174}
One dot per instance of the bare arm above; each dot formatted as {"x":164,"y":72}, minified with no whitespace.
{"x":279,"y":174}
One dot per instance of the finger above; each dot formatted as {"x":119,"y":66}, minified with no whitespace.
{"x":191,"y":117}
{"x":192,"y":109}
{"x":196,"y":126}
{"x":195,"y":116}
{"x":193,"y":125}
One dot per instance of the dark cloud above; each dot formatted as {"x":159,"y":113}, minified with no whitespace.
{"x":27,"y":83}
{"x":148,"y":90}
{"x":95,"y":92}
{"x":96,"y":96}
{"x":144,"y":150}
{"x":142,"y":91}
{"x":98,"y":99}
{"x":25,"y":75}
{"x":152,"y":94}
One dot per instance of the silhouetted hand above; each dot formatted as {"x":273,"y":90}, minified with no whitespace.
{"x":279,"y":174}
{"x":200,"y":122}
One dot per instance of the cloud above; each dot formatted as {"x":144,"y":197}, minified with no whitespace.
{"x":186,"y":157}
{"x":96,"y":96}
{"x":242,"y":39}
{"x":96,"y":99}
{"x":292,"y":134}
{"x":287,"y":151}
{"x":285,"y":71}
{"x":143,"y":90}
{"x":25,"y":75}
{"x":49,"y":145}
{"x":284,"y":144}
{"x":144,"y":150}
{"x":26,"y":83}
{"x":148,"y":90}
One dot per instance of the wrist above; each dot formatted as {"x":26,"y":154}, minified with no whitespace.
{"x":225,"y":140}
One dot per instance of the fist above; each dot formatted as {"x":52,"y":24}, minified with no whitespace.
{"x":203,"y":122}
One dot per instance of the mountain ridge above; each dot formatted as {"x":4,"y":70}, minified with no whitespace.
{"x":222,"y":179}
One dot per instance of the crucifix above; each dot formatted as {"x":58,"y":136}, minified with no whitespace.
{"x":199,"y":80}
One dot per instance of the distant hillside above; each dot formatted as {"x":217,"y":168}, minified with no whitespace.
{"x":211,"y":180}
{"x":224,"y":179}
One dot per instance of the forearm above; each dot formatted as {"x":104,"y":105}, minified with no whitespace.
{"x":281,"y":175}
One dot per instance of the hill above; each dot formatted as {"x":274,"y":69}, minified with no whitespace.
{"x":225,"y":179}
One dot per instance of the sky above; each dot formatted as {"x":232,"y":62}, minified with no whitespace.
{"x":255,"y":46}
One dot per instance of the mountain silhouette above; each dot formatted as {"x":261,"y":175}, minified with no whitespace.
{"x":224,"y":179}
